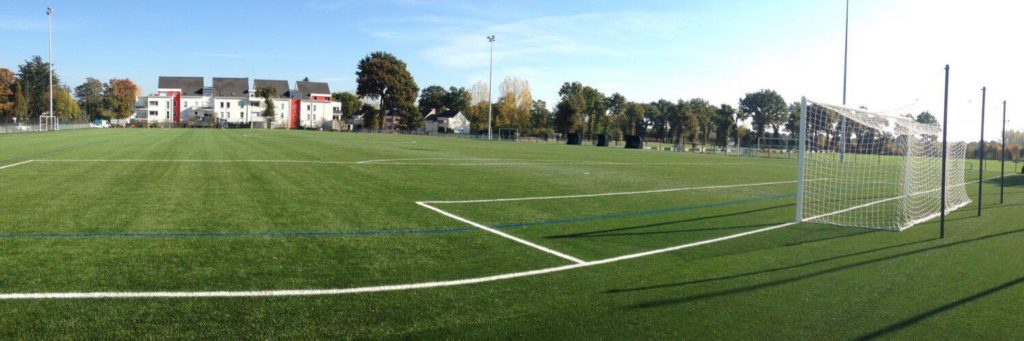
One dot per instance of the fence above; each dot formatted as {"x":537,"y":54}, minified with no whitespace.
{"x":10,"y":126}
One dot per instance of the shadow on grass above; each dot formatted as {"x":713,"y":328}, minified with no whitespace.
{"x":610,"y":232}
{"x":784,"y":281}
{"x":949,"y":306}
{"x":789,"y":267}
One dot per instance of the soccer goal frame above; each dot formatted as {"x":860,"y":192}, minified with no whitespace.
{"x":49,"y":122}
{"x":870,"y":170}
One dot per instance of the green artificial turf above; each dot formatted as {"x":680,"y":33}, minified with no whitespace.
{"x":210,"y":210}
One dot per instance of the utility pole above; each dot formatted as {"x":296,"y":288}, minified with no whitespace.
{"x":490,"y":80}
{"x":49,"y":48}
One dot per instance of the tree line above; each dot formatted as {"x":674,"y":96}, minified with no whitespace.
{"x":25,"y":95}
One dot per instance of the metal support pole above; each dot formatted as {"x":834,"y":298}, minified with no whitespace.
{"x":1002,"y":158}
{"x":846,"y":49}
{"x":981,"y":150}
{"x":490,"y":81}
{"x":945,"y":128}
{"x":800,"y":161}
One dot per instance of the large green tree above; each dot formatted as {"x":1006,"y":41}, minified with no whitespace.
{"x":268,"y":93}
{"x":540,"y":118}
{"x":90,"y":97}
{"x":350,"y":103}
{"x":926,"y":117}
{"x":433,"y":98}
{"x":458,"y":99}
{"x":382,"y":76}
{"x":766,"y":108}
{"x":725,"y":124}
{"x":570,"y":112}
{"x":34,"y":77}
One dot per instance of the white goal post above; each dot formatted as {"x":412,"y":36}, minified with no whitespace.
{"x":870,"y":170}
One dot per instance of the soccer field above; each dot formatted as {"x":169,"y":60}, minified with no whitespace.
{"x":191,"y":233}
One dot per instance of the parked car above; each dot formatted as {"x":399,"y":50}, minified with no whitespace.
{"x":101,"y":124}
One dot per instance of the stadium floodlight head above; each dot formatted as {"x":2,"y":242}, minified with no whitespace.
{"x":889,"y":177}
{"x":490,"y":38}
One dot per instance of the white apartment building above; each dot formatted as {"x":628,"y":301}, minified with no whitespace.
{"x":235,"y":101}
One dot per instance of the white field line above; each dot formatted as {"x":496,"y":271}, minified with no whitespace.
{"x":607,"y":194}
{"x":503,"y":234}
{"x":372,"y":289}
{"x":582,"y":163}
{"x":15,"y":164}
{"x":400,"y":162}
{"x":380,"y":288}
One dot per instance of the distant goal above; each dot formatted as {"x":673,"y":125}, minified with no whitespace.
{"x":870,"y":170}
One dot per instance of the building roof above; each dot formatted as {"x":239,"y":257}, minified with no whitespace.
{"x":306,"y":88}
{"x":190,"y":86}
{"x":279,"y":85}
{"x":448,"y":114}
{"x":445,"y":114}
{"x":230,"y":87}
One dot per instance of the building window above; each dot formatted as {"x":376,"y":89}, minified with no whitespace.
{"x":153,"y":113}
{"x":154,"y":103}
{"x":222,"y":105}
{"x":229,"y":105}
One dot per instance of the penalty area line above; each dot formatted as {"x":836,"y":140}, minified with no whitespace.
{"x":503,"y":234}
{"x":15,"y":164}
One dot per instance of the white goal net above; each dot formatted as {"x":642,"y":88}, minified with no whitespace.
{"x":870,"y":170}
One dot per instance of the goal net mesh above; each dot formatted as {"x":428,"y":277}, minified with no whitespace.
{"x":870,"y":170}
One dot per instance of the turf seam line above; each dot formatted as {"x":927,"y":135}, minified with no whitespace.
{"x":503,"y":234}
{"x":15,"y":164}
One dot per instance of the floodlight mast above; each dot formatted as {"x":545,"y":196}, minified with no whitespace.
{"x":490,"y":80}
{"x":49,"y":48}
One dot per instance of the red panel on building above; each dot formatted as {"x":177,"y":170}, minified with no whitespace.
{"x":295,"y":114}
{"x":176,"y":97}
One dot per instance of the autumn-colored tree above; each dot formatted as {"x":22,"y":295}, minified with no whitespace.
{"x":514,"y":104}
{"x":119,"y":98}
{"x":64,"y":105}
{"x":6,"y":93}
{"x":476,"y":111}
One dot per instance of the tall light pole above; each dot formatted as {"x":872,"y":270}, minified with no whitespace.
{"x":490,"y":80}
{"x":49,"y":47}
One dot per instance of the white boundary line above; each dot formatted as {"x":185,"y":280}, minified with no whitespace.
{"x":372,"y":289}
{"x":399,"y":162}
{"x":503,"y":234}
{"x":16,"y":164}
{"x":607,"y":194}
{"x":380,"y":288}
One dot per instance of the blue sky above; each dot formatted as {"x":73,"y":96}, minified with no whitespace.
{"x":645,"y":50}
